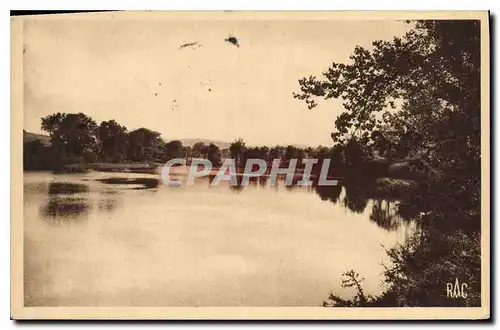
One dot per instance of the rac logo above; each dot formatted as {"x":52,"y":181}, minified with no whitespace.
{"x":456,"y":289}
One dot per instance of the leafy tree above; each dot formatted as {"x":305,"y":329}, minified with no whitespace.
{"x":321,"y":152}
{"x":37,"y":156}
{"x":199,"y":150}
{"x":214,"y":154}
{"x":264,"y":153}
{"x":73,"y":136}
{"x":419,"y":96}
{"x":250,"y":153}
{"x":309,"y":151}
{"x":237,"y":148}
{"x":143,"y":145}
{"x":204,"y":151}
{"x":291,"y":152}
{"x":113,"y":140}
{"x":433,"y":72}
{"x":276,"y":152}
{"x":187,"y":151}
{"x":174,"y":149}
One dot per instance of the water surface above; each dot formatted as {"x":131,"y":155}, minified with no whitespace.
{"x":125,"y":239}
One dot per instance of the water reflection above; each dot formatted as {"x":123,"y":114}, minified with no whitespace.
{"x":385,"y":211}
{"x":238,"y":187}
{"x":83,"y":232}
{"x":329,"y":193}
{"x":354,"y":196}
{"x":72,"y":201}
{"x":69,"y":208}
{"x":385,"y":214}
{"x":143,"y":183}
{"x":66,"y":201}
{"x":57,"y":188}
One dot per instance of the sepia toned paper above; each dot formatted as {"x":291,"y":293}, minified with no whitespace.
{"x":113,"y":241}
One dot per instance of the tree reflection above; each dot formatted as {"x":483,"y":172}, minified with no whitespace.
{"x":142,"y":183}
{"x":329,"y":193}
{"x":356,"y":197}
{"x":263,"y":180}
{"x":66,"y":201}
{"x":70,"y":201}
{"x":66,"y":208}
{"x":58,"y":188}
{"x":384,"y":214}
{"x":253,"y":180}
{"x":387,"y":212}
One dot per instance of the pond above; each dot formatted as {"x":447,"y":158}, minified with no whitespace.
{"x":126,"y":239}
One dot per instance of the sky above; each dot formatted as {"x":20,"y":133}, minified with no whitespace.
{"x":134,"y":72}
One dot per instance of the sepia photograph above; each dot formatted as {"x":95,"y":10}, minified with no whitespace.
{"x":250,"y":165}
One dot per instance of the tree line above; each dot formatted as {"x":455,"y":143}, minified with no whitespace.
{"x":76,"y":138}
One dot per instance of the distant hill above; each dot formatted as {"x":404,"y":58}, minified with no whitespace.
{"x":29,"y":137}
{"x":191,"y":142}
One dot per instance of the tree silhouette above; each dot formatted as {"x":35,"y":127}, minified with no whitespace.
{"x":237,"y":148}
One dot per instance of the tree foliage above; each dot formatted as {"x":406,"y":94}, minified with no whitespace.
{"x":418,"y":96}
{"x":143,"y":144}
{"x":73,"y":135}
{"x":237,"y":148}
{"x":173,"y":149}
{"x":214,"y":154}
{"x":114,"y":142}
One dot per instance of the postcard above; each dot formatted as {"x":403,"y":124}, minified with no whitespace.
{"x":251,"y":165}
